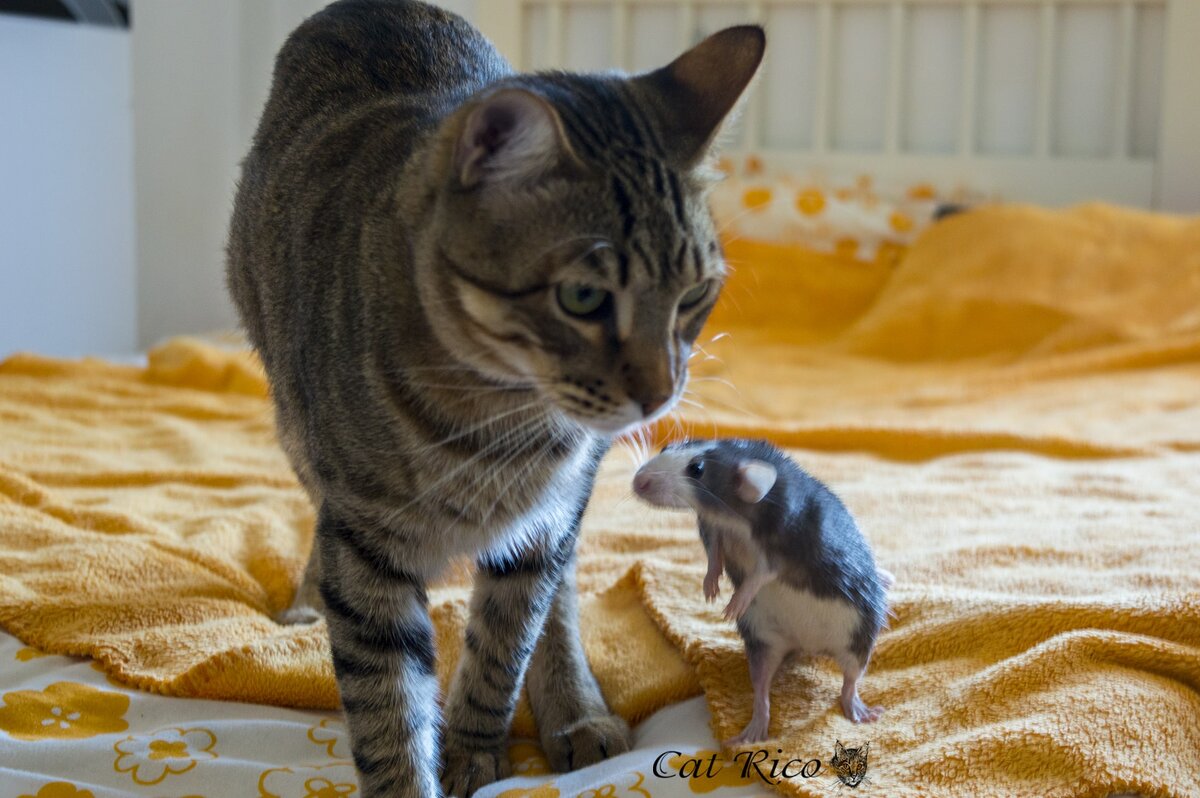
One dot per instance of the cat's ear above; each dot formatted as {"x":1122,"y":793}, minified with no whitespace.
{"x":754,"y":480}
{"x":510,"y":136}
{"x":839,"y":750}
{"x":694,"y":94}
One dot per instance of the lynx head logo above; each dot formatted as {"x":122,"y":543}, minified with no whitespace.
{"x":850,"y":764}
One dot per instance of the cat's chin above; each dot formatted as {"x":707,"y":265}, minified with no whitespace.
{"x":614,"y":428}
{"x":625,"y":423}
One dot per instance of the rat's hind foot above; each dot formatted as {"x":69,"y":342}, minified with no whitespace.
{"x":755,"y":732}
{"x":857,"y":711}
{"x":853,"y":707}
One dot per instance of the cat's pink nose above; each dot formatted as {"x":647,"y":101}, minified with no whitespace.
{"x":642,"y":483}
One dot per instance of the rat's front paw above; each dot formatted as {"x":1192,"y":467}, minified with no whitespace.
{"x":738,"y":604}
{"x":466,"y":769}
{"x":712,"y":588}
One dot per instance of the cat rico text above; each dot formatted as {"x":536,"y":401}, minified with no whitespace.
{"x":770,"y":769}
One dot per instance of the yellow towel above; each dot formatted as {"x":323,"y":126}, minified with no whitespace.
{"x":1013,"y":415}
{"x":148,"y":519}
{"x":1017,"y":421}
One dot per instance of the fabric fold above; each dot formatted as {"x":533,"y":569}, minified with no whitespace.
{"x":1013,"y":415}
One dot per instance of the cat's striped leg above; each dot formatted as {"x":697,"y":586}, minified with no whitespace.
{"x":383,"y":655}
{"x":509,"y":604}
{"x":574,"y":723}
{"x":307,"y":606}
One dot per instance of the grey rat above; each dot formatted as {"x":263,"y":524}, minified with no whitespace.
{"x":805,"y":580}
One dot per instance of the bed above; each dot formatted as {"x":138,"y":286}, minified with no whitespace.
{"x":1006,"y":398}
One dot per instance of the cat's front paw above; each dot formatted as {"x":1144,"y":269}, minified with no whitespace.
{"x":466,"y":769}
{"x":298,"y":616}
{"x":586,"y":742}
{"x":307,"y":606}
{"x":712,"y":588}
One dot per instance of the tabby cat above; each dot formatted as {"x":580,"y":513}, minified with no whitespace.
{"x":463,"y":282}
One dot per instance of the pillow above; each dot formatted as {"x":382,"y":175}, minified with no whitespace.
{"x":809,"y":255}
{"x":855,"y":218}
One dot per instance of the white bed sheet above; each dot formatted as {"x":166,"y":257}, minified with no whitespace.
{"x":67,"y":731}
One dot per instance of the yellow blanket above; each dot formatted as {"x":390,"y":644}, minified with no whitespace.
{"x":1013,"y":415}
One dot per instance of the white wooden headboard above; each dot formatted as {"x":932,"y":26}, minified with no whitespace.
{"x":1049,"y":101}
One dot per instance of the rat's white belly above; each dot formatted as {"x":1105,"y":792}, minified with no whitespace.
{"x":796,"y":620}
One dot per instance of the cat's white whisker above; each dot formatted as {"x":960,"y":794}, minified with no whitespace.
{"x":499,"y":442}
{"x":488,"y":422}
{"x":720,"y":380}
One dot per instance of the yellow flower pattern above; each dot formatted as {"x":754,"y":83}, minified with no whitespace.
{"x":854,"y":219}
{"x":810,"y":201}
{"x":540,"y":791}
{"x":527,"y":760}
{"x":756,"y":198}
{"x":320,"y":787}
{"x":901,"y":222}
{"x":335,"y":780}
{"x":28,"y":653}
{"x":631,"y":784}
{"x":60,"y":789}
{"x":724,"y":773}
{"x":619,"y":791}
{"x":63,"y":710}
{"x":150,"y":758}
{"x":331,"y":735}
{"x":97,"y":738}
{"x":922,"y":191}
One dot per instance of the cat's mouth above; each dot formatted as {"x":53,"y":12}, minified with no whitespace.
{"x":614,"y":420}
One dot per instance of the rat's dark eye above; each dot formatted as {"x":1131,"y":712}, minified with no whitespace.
{"x":694,"y":469}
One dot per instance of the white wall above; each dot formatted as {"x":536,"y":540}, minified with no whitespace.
{"x":188,"y":139}
{"x":201,"y":73}
{"x":67,"y":274}
{"x":1053,"y":102}
{"x":1082,"y":100}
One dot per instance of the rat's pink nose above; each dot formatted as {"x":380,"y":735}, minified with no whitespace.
{"x":642,"y":482}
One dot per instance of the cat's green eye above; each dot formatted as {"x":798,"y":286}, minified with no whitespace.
{"x":582,"y":300}
{"x":694,"y":296}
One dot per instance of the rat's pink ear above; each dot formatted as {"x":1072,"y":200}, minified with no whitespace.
{"x":754,"y":480}
{"x":512,"y":135}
